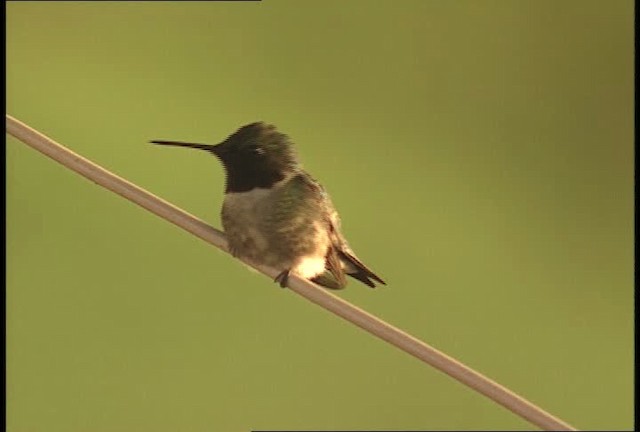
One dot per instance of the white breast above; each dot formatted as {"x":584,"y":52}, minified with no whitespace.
{"x":312,"y":265}
{"x":243,"y":202}
{"x":244,"y":209}
{"x":243,"y":217}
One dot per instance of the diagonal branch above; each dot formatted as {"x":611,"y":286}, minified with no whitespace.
{"x":310,"y":291}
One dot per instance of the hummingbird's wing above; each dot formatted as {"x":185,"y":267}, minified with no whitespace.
{"x":306,"y":198}
{"x":334,"y":276}
{"x":340,"y":258}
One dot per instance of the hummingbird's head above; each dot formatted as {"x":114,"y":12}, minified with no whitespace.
{"x":255,"y":156}
{"x":257,"y":146}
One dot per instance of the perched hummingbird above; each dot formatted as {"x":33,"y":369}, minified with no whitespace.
{"x":274,"y":213}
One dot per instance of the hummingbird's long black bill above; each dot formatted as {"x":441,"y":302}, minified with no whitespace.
{"x":208,"y":147}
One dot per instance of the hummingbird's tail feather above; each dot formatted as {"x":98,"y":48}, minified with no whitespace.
{"x":362,"y":278}
{"x":327,"y":280}
{"x":333,"y":277}
{"x":359,"y":271}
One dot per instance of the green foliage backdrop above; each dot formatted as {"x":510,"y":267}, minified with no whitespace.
{"x":480,"y":153}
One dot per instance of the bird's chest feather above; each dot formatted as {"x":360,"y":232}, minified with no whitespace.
{"x":244,"y":218}
{"x":258,"y":227}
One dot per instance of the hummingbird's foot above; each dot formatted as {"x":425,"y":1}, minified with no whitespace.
{"x":282,"y":278}
{"x":233,"y":251}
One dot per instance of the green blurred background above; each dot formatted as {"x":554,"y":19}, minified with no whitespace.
{"x":480,"y":153}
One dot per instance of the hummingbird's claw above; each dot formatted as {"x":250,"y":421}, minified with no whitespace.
{"x":282,"y":278}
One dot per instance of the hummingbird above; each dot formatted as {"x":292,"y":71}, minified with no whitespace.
{"x":274,"y":213}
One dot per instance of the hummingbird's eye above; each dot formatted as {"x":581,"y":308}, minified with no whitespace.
{"x":257,"y":150}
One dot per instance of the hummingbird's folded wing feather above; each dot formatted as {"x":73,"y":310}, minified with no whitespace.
{"x":309,"y":200}
{"x":340,"y":257}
